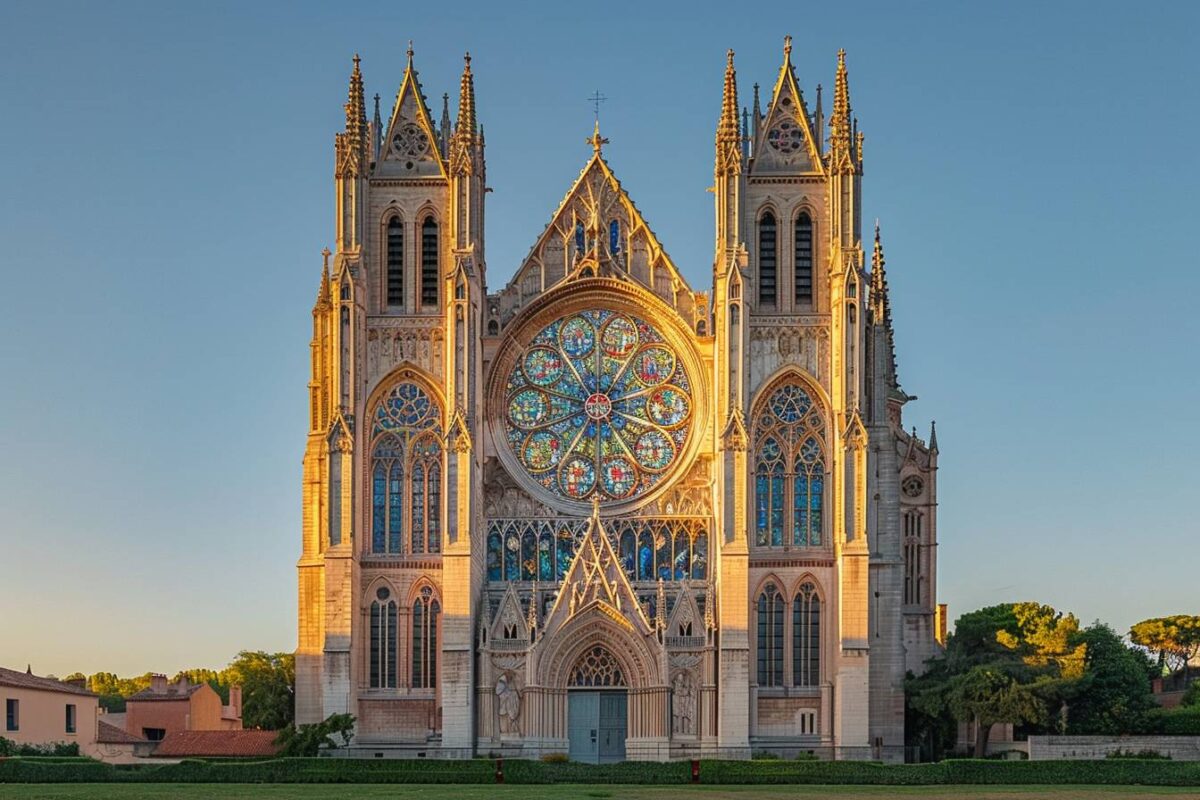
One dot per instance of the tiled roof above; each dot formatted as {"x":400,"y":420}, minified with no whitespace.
{"x":184,"y":744}
{"x":172,"y":692}
{"x":24,"y":680}
{"x":111,"y":734}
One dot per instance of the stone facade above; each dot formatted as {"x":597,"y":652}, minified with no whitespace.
{"x":598,"y":479}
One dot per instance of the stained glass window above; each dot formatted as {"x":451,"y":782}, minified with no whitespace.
{"x":405,"y":472}
{"x":383,"y":642}
{"x":597,"y":667}
{"x":425,"y":614}
{"x":770,"y":637}
{"x":789,"y":470}
{"x":806,"y":637}
{"x":598,"y":405}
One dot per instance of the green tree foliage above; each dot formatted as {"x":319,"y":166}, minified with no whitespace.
{"x":268,"y":683}
{"x":987,"y":695}
{"x":306,"y":740}
{"x":1173,"y":640}
{"x":1113,"y":695}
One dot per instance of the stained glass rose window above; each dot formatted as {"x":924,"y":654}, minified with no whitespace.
{"x":598,"y":404}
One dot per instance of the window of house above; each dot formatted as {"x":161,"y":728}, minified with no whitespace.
{"x":154,"y":734}
{"x":70,"y":717}
{"x":12,"y":715}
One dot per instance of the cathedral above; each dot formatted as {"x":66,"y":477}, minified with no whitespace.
{"x":597,"y":511}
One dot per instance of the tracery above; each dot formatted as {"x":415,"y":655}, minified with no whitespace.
{"x":789,"y":473}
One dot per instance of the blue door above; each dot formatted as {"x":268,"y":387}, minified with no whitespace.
{"x":596,"y":725}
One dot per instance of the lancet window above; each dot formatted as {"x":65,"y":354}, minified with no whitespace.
{"x":770,"y":612}
{"x":768,"y":254}
{"x":406,"y":473}
{"x":803,"y":239}
{"x":789,"y":470}
{"x":914,"y":577}
{"x":429,"y":264}
{"x":806,"y":636}
{"x":384,"y":646}
{"x":395,"y":262}
{"x":426,"y":612}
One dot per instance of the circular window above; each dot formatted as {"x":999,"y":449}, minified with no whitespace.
{"x":912,"y":486}
{"x":598,"y":406}
{"x":786,"y":137}
{"x":410,"y":141}
{"x":382,"y":593}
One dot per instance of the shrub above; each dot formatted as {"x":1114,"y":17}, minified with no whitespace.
{"x":10,"y":748}
{"x":555,"y":758}
{"x":1180,"y":721}
{"x":765,"y":755}
{"x":1142,"y":754}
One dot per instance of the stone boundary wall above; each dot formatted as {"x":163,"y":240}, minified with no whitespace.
{"x":1179,"y":748}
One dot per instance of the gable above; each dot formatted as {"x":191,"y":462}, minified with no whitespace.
{"x":410,"y":146}
{"x":597,"y":230}
{"x":786,"y":142}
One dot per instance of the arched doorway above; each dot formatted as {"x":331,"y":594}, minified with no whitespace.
{"x":597,"y":707}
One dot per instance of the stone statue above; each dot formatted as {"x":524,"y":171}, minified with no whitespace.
{"x":508,"y":700}
{"x":683,"y":704}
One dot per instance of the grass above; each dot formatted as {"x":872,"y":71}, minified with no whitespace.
{"x":568,"y":792}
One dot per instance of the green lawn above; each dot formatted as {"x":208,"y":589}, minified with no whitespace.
{"x":94,"y":791}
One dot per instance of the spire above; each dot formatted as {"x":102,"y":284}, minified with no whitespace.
{"x":933,"y":448}
{"x":728,"y":134}
{"x":758,"y":116}
{"x":444,"y":124}
{"x":352,"y":145}
{"x":376,"y":131}
{"x":745,"y":133}
{"x":841,"y":131}
{"x":881,"y":305}
{"x":323,"y":294}
{"x":466,"y":99}
{"x":820,"y":123}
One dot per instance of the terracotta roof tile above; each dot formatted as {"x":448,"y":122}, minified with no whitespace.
{"x":111,"y":734}
{"x":24,"y":680}
{"x":184,"y":744}
{"x":172,"y":692}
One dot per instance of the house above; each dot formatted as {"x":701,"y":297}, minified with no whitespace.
{"x":47,"y":711}
{"x":218,"y":744}
{"x":163,"y":708}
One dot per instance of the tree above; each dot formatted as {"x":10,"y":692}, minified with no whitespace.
{"x":985,"y":696}
{"x":1114,"y":694}
{"x":306,"y":740}
{"x":1174,"y":640}
{"x":267,"y":681}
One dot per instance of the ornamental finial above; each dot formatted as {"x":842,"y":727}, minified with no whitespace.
{"x":410,"y":53}
{"x":596,"y":140}
{"x":787,"y":47}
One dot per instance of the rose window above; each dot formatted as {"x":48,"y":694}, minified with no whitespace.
{"x":598,"y":405}
{"x":786,"y":137}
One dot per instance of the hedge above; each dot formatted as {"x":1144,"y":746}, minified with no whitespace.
{"x":482,"y":771}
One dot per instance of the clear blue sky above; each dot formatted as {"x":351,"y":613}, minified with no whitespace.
{"x":165,"y":192}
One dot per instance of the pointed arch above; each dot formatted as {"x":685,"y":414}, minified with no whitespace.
{"x":424,"y":634}
{"x":804,"y":243}
{"x":393,"y":237}
{"x":571,"y":642}
{"x":770,"y":606}
{"x":430,"y":260}
{"x":767,"y":255}
{"x":381,"y":605}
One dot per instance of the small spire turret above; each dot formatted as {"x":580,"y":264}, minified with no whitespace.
{"x":466,"y":99}
{"x":728,"y":131}
{"x":352,"y":145}
{"x":444,"y":125}
{"x":376,"y":131}
{"x":933,"y":446}
{"x":841,"y":127}
{"x":881,"y":306}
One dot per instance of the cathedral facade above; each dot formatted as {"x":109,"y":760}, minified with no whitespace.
{"x":597,"y":511}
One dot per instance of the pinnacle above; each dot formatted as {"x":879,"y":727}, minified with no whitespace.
{"x":466,"y":99}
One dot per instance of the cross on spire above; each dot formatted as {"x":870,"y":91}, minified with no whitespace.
{"x":596,"y":99}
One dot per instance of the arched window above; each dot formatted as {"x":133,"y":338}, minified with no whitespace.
{"x":597,"y":667}
{"x":806,"y":636}
{"x":770,"y":637}
{"x":395,"y":262}
{"x":580,"y":243}
{"x":493,"y":328}
{"x":804,"y":259}
{"x":913,"y":574}
{"x":768,"y":254}
{"x":405,"y":472}
{"x":789,"y":470}
{"x":425,"y":614}
{"x":429,"y":263}
{"x":383,"y":640}
{"x":614,"y":237}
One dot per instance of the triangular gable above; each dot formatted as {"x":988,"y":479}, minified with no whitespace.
{"x":686,"y":619}
{"x":786,"y":142}
{"x":595,"y":581}
{"x":593,"y":202}
{"x":410,"y":147}
{"x":509,"y":619}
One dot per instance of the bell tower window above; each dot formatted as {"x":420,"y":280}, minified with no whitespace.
{"x":804,"y":259}
{"x":767,"y":259}
{"x":429,"y":264}
{"x":395,"y":262}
